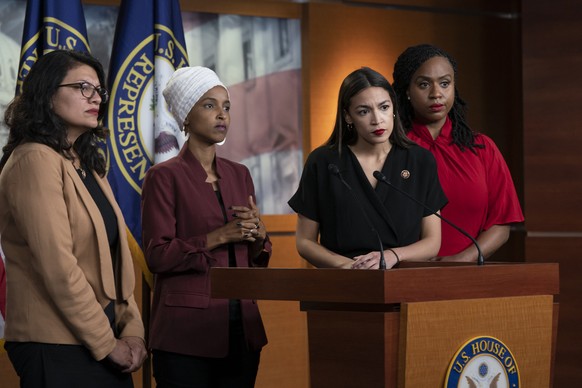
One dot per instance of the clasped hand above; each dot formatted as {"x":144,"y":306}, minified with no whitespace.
{"x":371,"y":260}
{"x":246,"y":226}
{"x":129,"y":354}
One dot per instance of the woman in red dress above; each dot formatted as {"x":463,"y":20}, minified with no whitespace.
{"x":472,"y":171}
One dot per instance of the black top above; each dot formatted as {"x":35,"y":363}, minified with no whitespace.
{"x":323,"y":198}
{"x":103,"y":204}
{"x":234,"y":309}
{"x":111,"y":227}
{"x":231,"y":253}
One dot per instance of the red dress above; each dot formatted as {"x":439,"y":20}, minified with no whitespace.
{"x":479,"y":186}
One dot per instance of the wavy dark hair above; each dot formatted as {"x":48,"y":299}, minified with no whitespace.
{"x":354,"y":83}
{"x":406,"y":65}
{"x":31,"y":118}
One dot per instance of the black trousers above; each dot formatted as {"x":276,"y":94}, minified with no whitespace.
{"x":56,"y":366}
{"x":237,"y":370}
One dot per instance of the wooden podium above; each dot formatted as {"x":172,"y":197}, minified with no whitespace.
{"x":402,"y":327}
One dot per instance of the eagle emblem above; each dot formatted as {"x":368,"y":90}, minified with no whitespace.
{"x":474,"y":383}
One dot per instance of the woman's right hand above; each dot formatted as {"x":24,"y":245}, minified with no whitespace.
{"x":234,"y":231}
{"x":121,"y":355}
{"x":138,"y":351}
{"x":246,"y":226}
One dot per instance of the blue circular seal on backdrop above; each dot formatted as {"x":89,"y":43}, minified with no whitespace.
{"x":137,"y":115}
{"x":53,"y":34}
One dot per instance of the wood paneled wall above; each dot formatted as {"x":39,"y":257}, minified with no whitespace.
{"x":552,"y":63}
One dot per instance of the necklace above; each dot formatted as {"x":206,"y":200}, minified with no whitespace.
{"x":80,"y":170}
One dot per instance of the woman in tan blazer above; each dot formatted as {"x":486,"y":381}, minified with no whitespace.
{"x":71,"y":318}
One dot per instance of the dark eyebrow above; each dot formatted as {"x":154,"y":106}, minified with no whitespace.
{"x":84,"y":81}
{"x":425,"y":77}
{"x":367,"y":106}
{"x":213,"y":100}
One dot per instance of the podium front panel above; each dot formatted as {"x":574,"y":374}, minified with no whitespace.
{"x":353,"y":349}
{"x":431,"y":333}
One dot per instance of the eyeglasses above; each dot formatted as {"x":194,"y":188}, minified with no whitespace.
{"x":88,"y":90}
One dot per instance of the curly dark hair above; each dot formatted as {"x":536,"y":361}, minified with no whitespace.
{"x":406,"y":65}
{"x":31,"y":118}
{"x":354,"y":83}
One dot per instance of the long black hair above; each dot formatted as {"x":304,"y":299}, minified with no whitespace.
{"x":31,"y":118}
{"x":406,"y":65}
{"x":354,"y":83}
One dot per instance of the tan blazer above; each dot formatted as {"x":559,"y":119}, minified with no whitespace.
{"x":59,"y":270}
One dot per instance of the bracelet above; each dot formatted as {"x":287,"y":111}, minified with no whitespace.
{"x":395,"y":255}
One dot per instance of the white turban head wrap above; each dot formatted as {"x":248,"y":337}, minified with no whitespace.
{"x":185,"y":87}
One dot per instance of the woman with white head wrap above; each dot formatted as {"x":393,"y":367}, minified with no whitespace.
{"x":199,"y":211}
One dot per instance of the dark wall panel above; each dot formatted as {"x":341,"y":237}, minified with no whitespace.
{"x":552,"y":63}
{"x":566,"y":251}
{"x":552,"y":75}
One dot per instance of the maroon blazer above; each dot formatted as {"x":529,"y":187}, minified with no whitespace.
{"x":178,"y":210}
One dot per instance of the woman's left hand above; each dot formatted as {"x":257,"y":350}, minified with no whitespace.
{"x":368,"y":261}
{"x":372,"y":260}
{"x":138,"y":352}
{"x":250,"y":221}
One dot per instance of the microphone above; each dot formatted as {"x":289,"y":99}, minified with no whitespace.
{"x":335,"y":171}
{"x":380,"y":177}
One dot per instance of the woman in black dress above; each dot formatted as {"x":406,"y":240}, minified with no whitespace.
{"x":343,"y":210}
